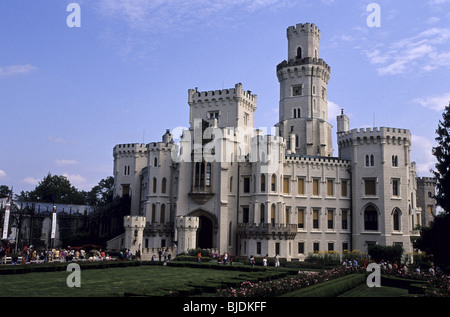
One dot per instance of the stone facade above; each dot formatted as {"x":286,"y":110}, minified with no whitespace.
{"x":229,"y":187}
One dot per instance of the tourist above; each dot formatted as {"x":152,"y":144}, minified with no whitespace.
{"x":265,"y":261}
{"x":225,"y":258}
{"x":252,"y":260}
{"x":277,"y":260}
{"x":199,"y":257}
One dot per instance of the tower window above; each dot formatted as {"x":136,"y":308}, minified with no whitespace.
{"x":394,"y":160}
{"x":297,"y":90}
{"x":370,"y":218}
{"x":299,"y":52}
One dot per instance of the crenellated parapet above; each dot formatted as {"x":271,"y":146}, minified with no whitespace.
{"x":204,"y":98}
{"x":187,"y":222}
{"x":308,"y":28}
{"x":394,"y":136}
{"x":130,"y":149}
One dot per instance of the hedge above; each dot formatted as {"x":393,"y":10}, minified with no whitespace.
{"x":331,"y":288}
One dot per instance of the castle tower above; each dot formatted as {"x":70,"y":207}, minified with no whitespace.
{"x":134,"y":229}
{"x":186,"y":233}
{"x":303,"y":78}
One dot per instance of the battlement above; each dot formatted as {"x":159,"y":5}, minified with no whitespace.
{"x":195,"y":96}
{"x":374,"y":133}
{"x":134,"y":221}
{"x":309,"y":28}
{"x":122,"y":149}
{"x":183,"y":222}
{"x":316,"y":159}
{"x":426,"y":181}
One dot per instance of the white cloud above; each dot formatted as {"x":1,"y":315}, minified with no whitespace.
{"x":421,"y":152}
{"x":64,"y":162}
{"x":333,"y":111}
{"x":2,"y":174}
{"x":155,"y":15}
{"x":16,"y":69}
{"x":435,"y":102}
{"x":425,"y":51}
{"x":76,"y":180}
{"x":31,"y":181}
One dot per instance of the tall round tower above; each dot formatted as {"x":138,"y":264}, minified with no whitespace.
{"x":303,"y":78}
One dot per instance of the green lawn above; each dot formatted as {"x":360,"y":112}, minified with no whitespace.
{"x":107,"y":282}
{"x":384,"y":291}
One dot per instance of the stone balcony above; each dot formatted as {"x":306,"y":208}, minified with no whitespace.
{"x":267,"y":231}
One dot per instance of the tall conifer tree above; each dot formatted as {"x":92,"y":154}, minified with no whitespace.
{"x":442,"y":154}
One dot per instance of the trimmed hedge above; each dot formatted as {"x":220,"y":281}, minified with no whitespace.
{"x":331,"y":288}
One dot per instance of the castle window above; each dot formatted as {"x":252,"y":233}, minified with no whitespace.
{"x":301,"y":248}
{"x":246,"y":184}
{"x":273,"y":183}
{"x":287,"y":215}
{"x":300,"y":218}
{"x":153,"y":213}
{"x":344,"y":192}
{"x":370,"y":160}
{"x":315,"y":187}
{"x":162,"y":219}
{"x":154,"y":185}
{"x":262,"y":213}
{"x":330,"y":187}
{"x":395,"y":187}
{"x":316,"y":247}
{"x":330,"y":246}
{"x":330,"y":219}
{"x":297,"y":141}
{"x":344,"y":219}
{"x":231,"y":184}
{"x":245,"y":214}
{"x":155,"y":162}
{"x":214,"y":115}
{"x":286,"y":185}
{"x":126,"y":170}
{"x":163,"y":185}
{"x":315,"y":219}
{"x":396,"y":219}
{"x":297,"y":90}
{"x":301,"y":186}
{"x":272,"y":214}
{"x":246,"y":118}
{"x":394,"y":160}
{"x":299,"y":52}
{"x":370,"y":218}
{"x":263,"y":183}
{"x":370,"y":187}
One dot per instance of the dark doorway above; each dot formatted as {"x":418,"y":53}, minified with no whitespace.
{"x":205,"y":233}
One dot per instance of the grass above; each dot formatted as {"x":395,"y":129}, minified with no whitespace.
{"x":384,"y":291}
{"x":107,"y":282}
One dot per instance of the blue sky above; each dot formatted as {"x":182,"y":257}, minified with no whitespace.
{"x":69,"y":95}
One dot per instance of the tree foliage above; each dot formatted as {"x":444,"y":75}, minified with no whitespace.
{"x":442,"y":154}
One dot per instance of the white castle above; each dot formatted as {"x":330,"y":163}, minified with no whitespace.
{"x":229,"y":187}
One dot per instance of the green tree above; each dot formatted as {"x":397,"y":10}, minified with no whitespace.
{"x":57,"y":189}
{"x":435,"y":239}
{"x":442,"y":154}
{"x":102,"y":193}
{"x":4,"y":191}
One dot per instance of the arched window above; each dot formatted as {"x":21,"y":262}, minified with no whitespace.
{"x":396,"y":219}
{"x":163,"y":214}
{"x":273,"y":183}
{"x":272,"y":214}
{"x":370,"y":218}
{"x":153,"y":213}
{"x":394,"y":160}
{"x":299,"y":52}
{"x":163,"y":185}
{"x":154,"y":184}
{"x":263,"y":183}
{"x":155,"y":162}
{"x":262,"y":213}
{"x":297,"y":142}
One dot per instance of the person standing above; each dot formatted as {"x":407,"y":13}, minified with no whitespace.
{"x":277,"y":260}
